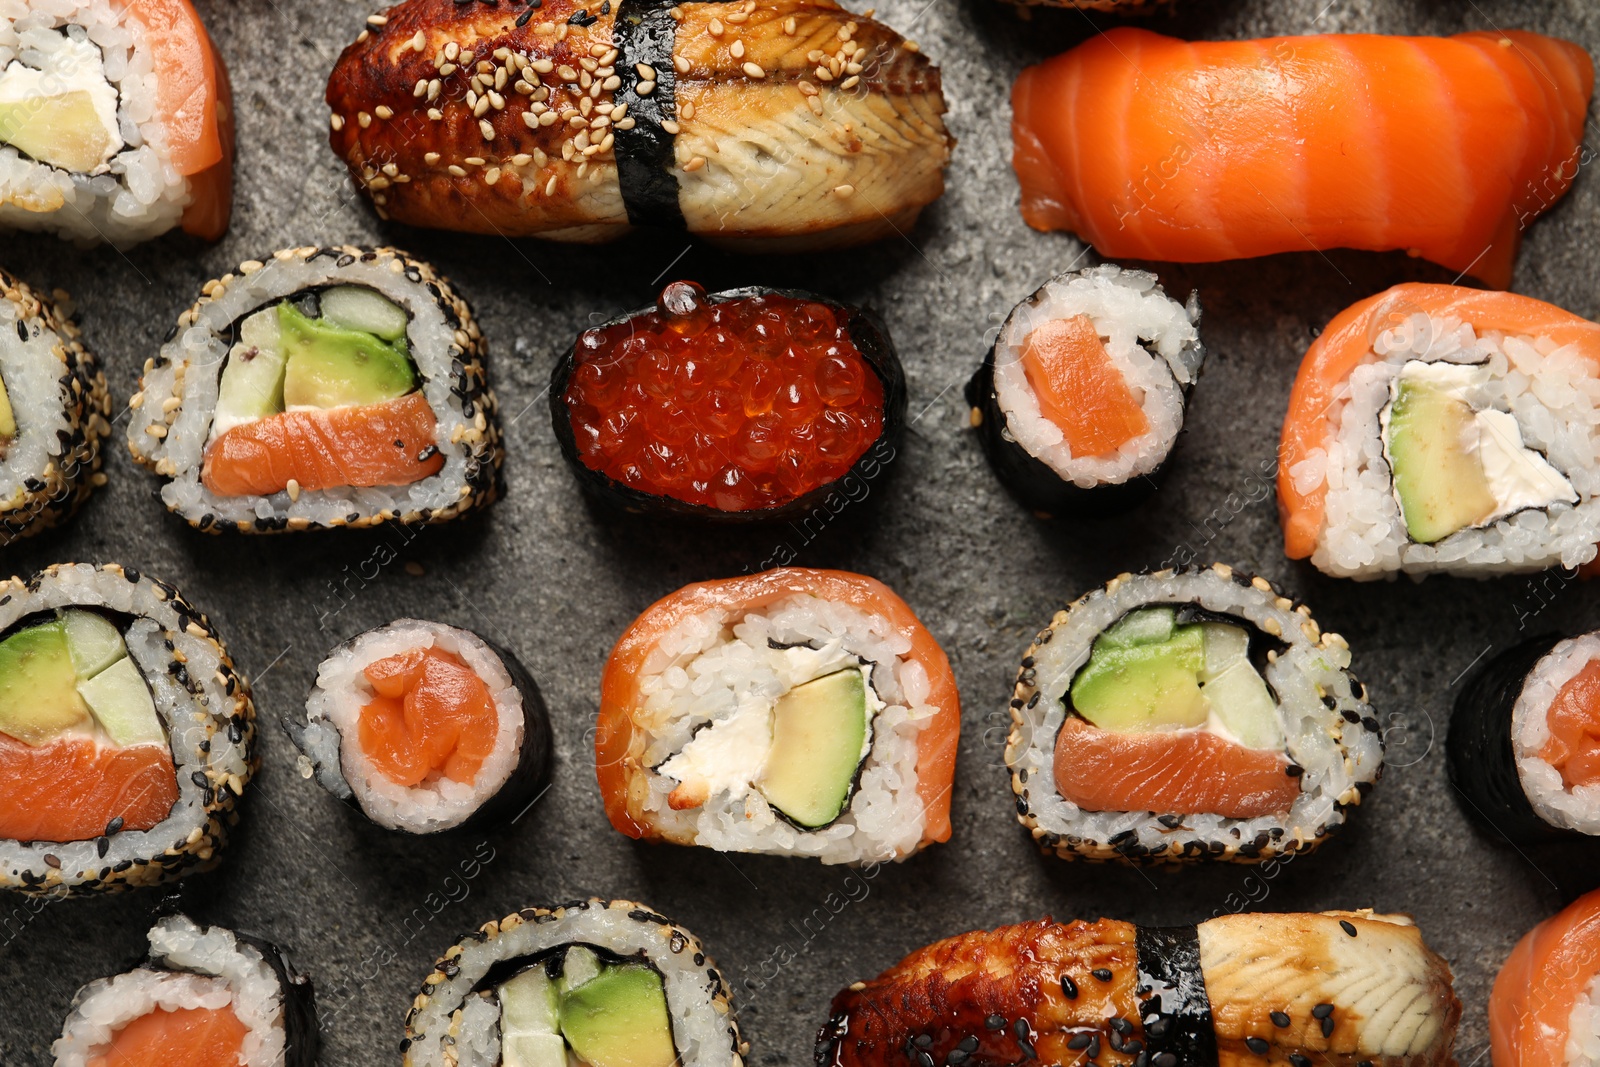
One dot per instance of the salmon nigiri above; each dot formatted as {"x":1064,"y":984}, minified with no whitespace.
{"x":1150,"y":147}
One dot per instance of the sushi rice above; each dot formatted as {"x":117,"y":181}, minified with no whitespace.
{"x":1583,"y":1033}
{"x":1576,"y":808}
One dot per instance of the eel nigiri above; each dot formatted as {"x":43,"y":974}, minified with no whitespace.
{"x":1542,"y":1009}
{"x":1150,"y":147}
{"x":787,"y":121}
{"x":1340,"y":989}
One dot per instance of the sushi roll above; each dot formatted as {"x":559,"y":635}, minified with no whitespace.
{"x":1081,"y":398}
{"x":126,"y":735}
{"x":1524,"y":743}
{"x":1544,"y":1008}
{"x":323,"y":387}
{"x":794,"y":712}
{"x":54,"y":411}
{"x":1302,"y":142}
{"x":746,"y":405}
{"x":766,"y":125}
{"x":204,"y":994}
{"x":594,"y":983}
{"x":1434,"y":428}
{"x":1339,"y":988}
{"x":426,"y":727}
{"x":116,"y":121}
{"x":1188,"y":715}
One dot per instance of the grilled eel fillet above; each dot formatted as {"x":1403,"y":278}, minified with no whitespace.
{"x":1337,"y":989}
{"x":769,"y":123}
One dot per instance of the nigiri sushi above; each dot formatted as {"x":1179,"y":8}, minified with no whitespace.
{"x":764,"y":124}
{"x":1338,"y":988}
{"x":1438,"y":428}
{"x":1149,"y":147}
{"x":116,"y":121}
{"x":1544,"y":1008}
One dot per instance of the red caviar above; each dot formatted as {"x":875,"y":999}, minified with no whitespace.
{"x":738,"y":406}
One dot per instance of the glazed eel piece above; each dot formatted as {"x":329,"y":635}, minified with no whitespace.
{"x":1335,"y":989}
{"x":765,"y":124}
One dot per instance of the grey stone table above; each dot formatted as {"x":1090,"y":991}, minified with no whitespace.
{"x":555,"y":581}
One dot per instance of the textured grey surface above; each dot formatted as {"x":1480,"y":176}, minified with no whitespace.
{"x":545,"y":575}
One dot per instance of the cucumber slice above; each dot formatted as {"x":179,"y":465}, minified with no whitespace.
{"x":252,"y":380}
{"x":1225,"y":646}
{"x":121,"y":702}
{"x":359,"y":308}
{"x":92,"y":640}
{"x":528,"y":1003}
{"x":532,"y":1050}
{"x":1145,"y":626}
{"x":1241,"y":701}
{"x":580,"y":968}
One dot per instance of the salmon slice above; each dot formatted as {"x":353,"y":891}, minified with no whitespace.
{"x":1080,"y":389}
{"x":1530,"y":1005}
{"x":68,"y":790}
{"x":432,"y":715}
{"x":1316,"y":401}
{"x":187,"y":1037}
{"x":1151,"y":147}
{"x":1574,"y":721}
{"x":1191,"y":772}
{"x":376,"y":444}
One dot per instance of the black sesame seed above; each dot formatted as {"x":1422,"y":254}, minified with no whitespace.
{"x":1027,"y":1048}
{"x":1102,"y":973}
{"x":924,"y":1059}
{"x":995,"y":1022}
{"x":199,"y":779}
{"x":1021,"y":1028}
{"x":1299,"y":1060}
{"x":102,"y":845}
{"x":1279,"y":1019}
{"x":1094,"y":1046}
{"x":923,"y":1040}
{"x":1121,"y":1026}
{"x":1132,"y":1045}
{"x":1078,"y":1041}
{"x":1322,"y":1011}
{"x":344,"y":260}
{"x":605,"y":7}
{"x":1294,"y":770}
{"x":1349,"y":927}
{"x":22,"y":331}
{"x":1327,"y":1027}
{"x":968,"y":1045}
{"x":524,"y":18}
{"x":955,"y":1058}
{"x":1364,"y":1063}
{"x":114,"y":825}
{"x":1257,"y":1045}
{"x":1158,"y":1027}
{"x":1069,"y":987}
{"x":52,"y":860}
{"x":1165,"y":1059}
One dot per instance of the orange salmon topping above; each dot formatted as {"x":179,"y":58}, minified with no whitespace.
{"x":432,"y":716}
{"x":188,"y":1037}
{"x":1574,"y":721}
{"x":68,"y":790}
{"x":1189,"y":773}
{"x":375,"y":444}
{"x":1080,"y":389}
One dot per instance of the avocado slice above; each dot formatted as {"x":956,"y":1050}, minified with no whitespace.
{"x":121,"y":703}
{"x":331,"y":366}
{"x":8,"y":419}
{"x":819,"y":729}
{"x":1438,"y":474}
{"x":356,"y":307}
{"x":1145,"y":686}
{"x":93,"y":641}
{"x":530,"y":1021}
{"x":64,"y":130}
{"x":251,"y":386}
{"x":39,"y":697}
{"x":619,"y":1019}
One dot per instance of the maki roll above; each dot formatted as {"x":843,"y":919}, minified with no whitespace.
{"x":794,"y":712}
{"x":743,"y":405}
{"x":1081,"y":398}
{"x":325,"y":387}
{"x":1339,"y":988}
{"x":426,"y":727}
{"x":1188,"y":715}
{"x":594,"y":983}
{"x":116,"y":121}
{"x":204,"y":994}
{"x":54,"y":411}
{"x":1524,"y":743}
{"x":762,"y":125}
{"x":1544,"y":1008}
{"x":1437,"y":428}
{"x":126,"y":735}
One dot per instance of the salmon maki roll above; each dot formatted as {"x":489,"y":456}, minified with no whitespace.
{"x":1542,"y":1008}
{"x":116,"y":121}
{"x":1188,"y":715}
{"x":763,"y":125}
{"x":794,"y":712}
{"x":55,"y":410}
{"x":427,"y":727}
{"x":126,"y":735}
{"x":1434,"y":428}
{"x":1081,"y":398}
{"x":740,"y":406}
{"x":324,"y":387}
{"x":1342,"y":988}
{"x":204,"y":995}
{"x":1149,"y":147}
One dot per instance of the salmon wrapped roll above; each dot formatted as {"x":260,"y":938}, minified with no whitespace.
{"x":1341,"y":988}
{"x":1188,"y":715}
{"x":794,"y":712}
{"x":116,"y":121}
{"x":1544,"y":1007}
{"x":325,"y":387}
{"x":774,"y":125}
{"x":1149,"y":147}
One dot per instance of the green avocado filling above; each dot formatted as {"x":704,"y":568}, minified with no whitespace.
{"x":1149,"y":672}
{"x":1440,"y":483}
{"x":352,"y":352}
{"x":72,"y":674}
{"x":819,"y":730}
{"x":601,"y":1013}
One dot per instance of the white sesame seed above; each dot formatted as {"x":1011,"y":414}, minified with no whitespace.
{"x":754,"y":71}
{"x":421,"y":87}
{"x":294,"y":489}
{"x":737,"y":50}
{"x":581,"y":141}
{"x":686,"y":109}
{"x":497,"y":101}
{"x":599,"y":122}
{"x":605,"y":145}
{"x":474,"y":161}
{"x":529,"y":119}
{"x":491,"y":176}
{"x":567,"y":74}
{"x":383,"y":111}
{"x":550,"y":186}
{"x":593,"y":149}
{"x":850,"y":82}
{"x":486,"y":129}
{"x":377,"y":20}
{"x":433,"y":89}
{"x":645,"y":88}
{"x":363,"y":119}
{"x":539,"y":158}
{"x":543,"y":66}
{"x":521,"y":159}
{"x":337,"y":122}
{"x":430,"y":158}
{"x":715,"y":28}
{"x":480,"y":107}
{"x":502,"y":54}
{"x":611,"y":84}
{"x":807,"y":88}
{"x":670,"y":126}
{"x":390,"y":169}
{"x":362,"y":36}
{"x":419,"y":42}
{"x":500,"y":78}
{"x":815,"y":104}
{"x":843,"y":191}
{"x":680,"y":64}
{"x":608,"y":57}
{"x":451,"y":51}
{"x":852,"y":68}
{"x":646,"y":72}
{"x":547,"y":119}
{"x":617,"y":111}
{"x":583,"y":168}
{"x":585,"y":79}
{"x":824,"y":73}
{"x":457,"y":171}
{"x":694,"y":164}
{"x":625,"y":124}
{"x":435,"y":115}
{"x":567,"y":151}
{"x":909,"y":46}
{"x":789,"y":25}
{"x":447,"y":70}
{"x":590,"y":65}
